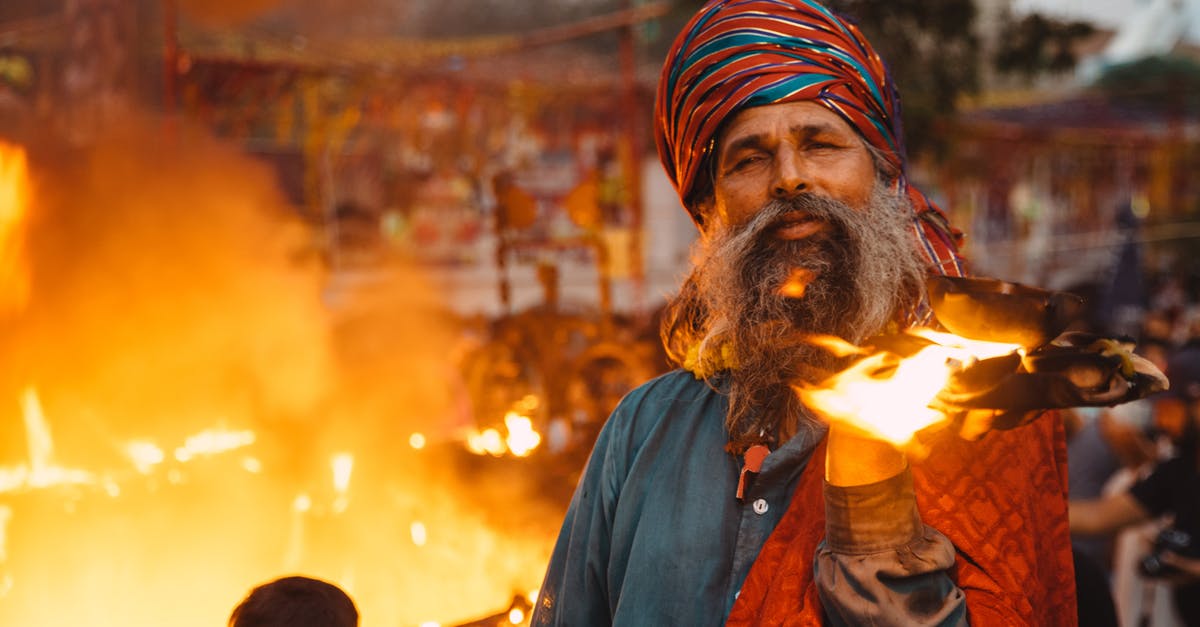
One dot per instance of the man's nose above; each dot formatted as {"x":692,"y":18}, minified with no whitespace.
{"x":791,"y":177}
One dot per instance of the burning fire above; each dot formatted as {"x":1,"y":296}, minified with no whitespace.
{"x":889,"y":396}
{"x":14,"y":202}
{"x":212,"y":442}
{"x":521,"y":439}
{"x":215,"y":311}
{"x":41,"y":472}
{"x":419,"y":535}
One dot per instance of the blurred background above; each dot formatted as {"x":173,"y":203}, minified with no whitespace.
{"x":347,"y":288}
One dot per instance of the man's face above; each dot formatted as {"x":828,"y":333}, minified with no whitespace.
{"x":796,"y":200}
{"x":781,"y":150}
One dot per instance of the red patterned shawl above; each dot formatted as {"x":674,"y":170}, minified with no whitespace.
{"x":1001,"y":501}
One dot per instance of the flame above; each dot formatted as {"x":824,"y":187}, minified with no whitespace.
{"x":145,"y":455}
{"x":522,"y":438}
{"x":41,"y":472}
{"x":419,"y":535}
{"x":890,"y":396}
{"x":836,"y":345}
{"x":212,"y":442}
{"x":294,"y":547}
{"x":343,"y":465}
{"x":417,"y":441}
{"x":486,"y":442}
{"x":14,"y":201}
{"x":216,"y":316}
{"x":527,"y":405}
{"x":5,"y":516}
{"x":973,"y":349}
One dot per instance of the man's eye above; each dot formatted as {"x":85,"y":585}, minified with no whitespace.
{"x":822,"y":146}
{"x":747,"y":161}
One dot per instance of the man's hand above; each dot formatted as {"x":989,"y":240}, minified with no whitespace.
{"x":1189,"y":568}
{"x":852,"y":457}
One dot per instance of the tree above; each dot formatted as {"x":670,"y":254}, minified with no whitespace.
{"x":1165,"y":83}
{"x":1037,"y":44}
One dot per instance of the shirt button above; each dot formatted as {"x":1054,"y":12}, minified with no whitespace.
{"x":760,"y":506}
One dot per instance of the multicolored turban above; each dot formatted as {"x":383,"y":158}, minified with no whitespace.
{"x":744,"y":53}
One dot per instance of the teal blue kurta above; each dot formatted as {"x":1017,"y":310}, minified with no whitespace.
{"x":654,"y":534}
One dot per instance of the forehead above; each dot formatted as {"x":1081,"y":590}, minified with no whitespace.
{"x":776,"y":121}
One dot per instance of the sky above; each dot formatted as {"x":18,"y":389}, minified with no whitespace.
{"x":1107,"y":13}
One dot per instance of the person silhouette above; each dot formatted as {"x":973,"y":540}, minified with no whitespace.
{"x":295,"y":601}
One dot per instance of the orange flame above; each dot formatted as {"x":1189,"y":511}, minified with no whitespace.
{"x":212,"y":442}
{"x":419,"y":535}
{"x":486,"y":442}
{"x":889,"y":396}
{"x":521,"y":439}
{"x":14,"y":201}
{"x":145,"y":455}
{"x":836,"y":345}
{"x":5,"y":579}
{"x":176,"y":322}
{"x":41,"y":472}
{"x":342,"y":465}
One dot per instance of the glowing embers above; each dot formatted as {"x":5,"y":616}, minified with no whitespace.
{"x":890,"y":396}
{"x":520,"y":439}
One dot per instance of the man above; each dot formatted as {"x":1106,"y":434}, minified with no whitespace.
{"x":295,"y":602}
{"x":1171,"y":489}
{"x":711,"y":492}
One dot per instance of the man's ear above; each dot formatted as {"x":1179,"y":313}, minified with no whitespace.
{"x":702,"y":214}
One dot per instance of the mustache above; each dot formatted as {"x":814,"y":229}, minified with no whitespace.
{"x":777,"y":210}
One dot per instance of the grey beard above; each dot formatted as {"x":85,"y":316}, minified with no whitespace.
{"x":867,"y":269}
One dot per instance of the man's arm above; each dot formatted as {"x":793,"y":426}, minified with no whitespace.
{"x":1189,"y":567}
{"x":574,"y":591}
{"x":879,"y":564}
{"x":1106,"y":515}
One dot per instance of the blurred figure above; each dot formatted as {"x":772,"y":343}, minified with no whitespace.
{"x":295,"y":602}
{"x":1107,"y":449}
{"x":1170,"y":492}
{"x":1107,"y":446}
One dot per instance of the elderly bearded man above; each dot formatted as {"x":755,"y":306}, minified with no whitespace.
{"x":779,"y":126}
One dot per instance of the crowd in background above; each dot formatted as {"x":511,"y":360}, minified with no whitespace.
{"x":1126,"y":450}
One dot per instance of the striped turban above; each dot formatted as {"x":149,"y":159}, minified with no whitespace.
{"x":736,"y":54}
